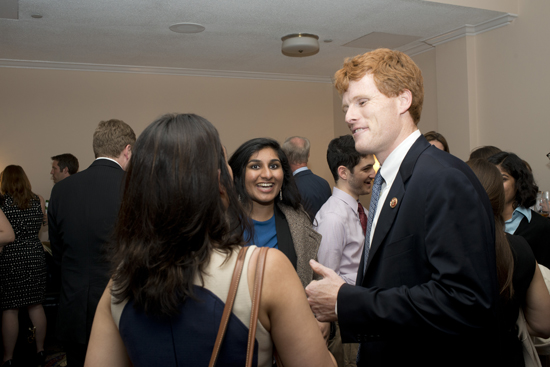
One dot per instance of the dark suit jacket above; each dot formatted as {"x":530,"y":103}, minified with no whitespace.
{"x":429,"y":296}
{"x":314,"y":191}
{"x":81,"y":216}
{"x":537,"y":234}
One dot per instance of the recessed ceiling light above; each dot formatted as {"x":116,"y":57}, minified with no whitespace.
{"x":36,"y":16}
{"x":187,"y":28}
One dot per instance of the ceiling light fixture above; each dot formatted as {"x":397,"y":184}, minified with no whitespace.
{"x":300,"y":44}
{"x":187,"y":28}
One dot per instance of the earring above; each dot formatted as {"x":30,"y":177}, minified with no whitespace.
{"x":281,"y":195}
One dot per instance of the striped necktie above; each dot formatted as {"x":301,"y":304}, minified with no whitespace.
{"x":378,"y":180}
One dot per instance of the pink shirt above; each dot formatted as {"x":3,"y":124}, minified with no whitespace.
{"x":343,"y":239}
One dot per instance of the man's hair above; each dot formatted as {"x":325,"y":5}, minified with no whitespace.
{"x":296,"y":152}
{"x":433,"y":135}
{"x":341,"y":152}
{"x":111,"y":137}
{"x":484,"y":152}
{"x":66,"y":160}
{"x":393,"y":73}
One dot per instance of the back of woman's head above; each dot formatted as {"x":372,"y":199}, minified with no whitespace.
{"x":526,"y":188}
{"x":491,"y":180}
{"x":239,"y":160}
{"x":14,"y":182}
{"x":172,"y":213}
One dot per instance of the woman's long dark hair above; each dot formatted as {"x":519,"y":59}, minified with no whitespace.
{"x":239,"y":161}
{"x":526,"y":188}
{"x":172,"y":214}
{"x":14,"y":182}
{"x":491,"y":179}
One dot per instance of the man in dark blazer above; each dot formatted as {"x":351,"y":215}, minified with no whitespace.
{"x":314,"y":190}
{"x":81,"y":216}
{"x":426,"y":291}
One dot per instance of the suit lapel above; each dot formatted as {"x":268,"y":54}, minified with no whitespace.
{"x":397,"y":191}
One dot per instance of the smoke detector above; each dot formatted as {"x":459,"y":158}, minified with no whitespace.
{"x":300,"y":44}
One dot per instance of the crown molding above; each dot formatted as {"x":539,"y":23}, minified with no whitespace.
{"x":52,"y":65}
{"x":428,"y":44}
{"x":410,"y":49}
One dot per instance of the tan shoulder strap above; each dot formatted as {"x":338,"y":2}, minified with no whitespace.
{"x":256,"y":295}
{"x":228,"y":305}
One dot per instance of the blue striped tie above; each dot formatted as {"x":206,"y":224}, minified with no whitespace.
{"x":378,"y":181}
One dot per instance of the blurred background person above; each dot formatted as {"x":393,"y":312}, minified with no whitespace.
{"x":484,"y":152}
{"x":437,"y":140}
{"x":266,"y":188}
{"x":22,"y":262}
{"x":314,"y":190}
{"x":6,"y":232}
{"x":175,"y":248}
{"x":81,"y":218}
{"x":63,"y":165}
{"x":520,"y":279}
{"x":520,"y":191}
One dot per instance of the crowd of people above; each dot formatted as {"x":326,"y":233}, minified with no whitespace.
{"x":442,"y":268}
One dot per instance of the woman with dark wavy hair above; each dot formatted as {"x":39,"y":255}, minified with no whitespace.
{"x":22,"y":262}
{"x":176,"y":241}
{"x":520,"y":279}
{"x":520,"y":192}
{"x":267,"y":190}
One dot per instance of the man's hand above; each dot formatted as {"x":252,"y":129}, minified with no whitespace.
{"x":322,"y":294}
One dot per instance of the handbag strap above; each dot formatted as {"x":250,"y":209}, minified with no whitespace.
{"x":228,"y":305}
{"x":260,"y":266}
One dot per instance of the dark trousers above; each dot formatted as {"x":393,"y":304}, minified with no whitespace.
{"x":76,"y":354}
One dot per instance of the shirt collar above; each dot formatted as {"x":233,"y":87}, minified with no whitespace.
{"x":391,"y":166}
{"x":345,"y":197}
{"x":523,"y":211}
{"x":301,"y":169}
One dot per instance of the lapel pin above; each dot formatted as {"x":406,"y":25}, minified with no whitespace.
{"x":393,"y":203}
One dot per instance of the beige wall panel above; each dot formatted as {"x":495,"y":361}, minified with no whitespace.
{"x":513,"y":87}
{"x":48,"y":112}
{"x":426,"y":61}
{"x":452,"y":96}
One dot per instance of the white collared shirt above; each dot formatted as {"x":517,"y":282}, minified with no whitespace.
{"x":389,"y":170}
{"x":301,"y":169}
{"x":110,"y":159}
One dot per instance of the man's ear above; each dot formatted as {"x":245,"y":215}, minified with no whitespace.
{"x":343,"y":172}
{"x":128,"y":151}
{"x":405,"y":101}
{"x":65,"y":171}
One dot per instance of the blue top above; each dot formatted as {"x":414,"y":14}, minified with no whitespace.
{"x":186,"y":339}
{"x":265,"y":233}
{"x":519,"y":213}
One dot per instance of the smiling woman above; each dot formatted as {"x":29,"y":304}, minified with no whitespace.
{"x":266,"y":188}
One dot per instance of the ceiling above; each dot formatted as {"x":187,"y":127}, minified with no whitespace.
{"x":241,"y":36}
